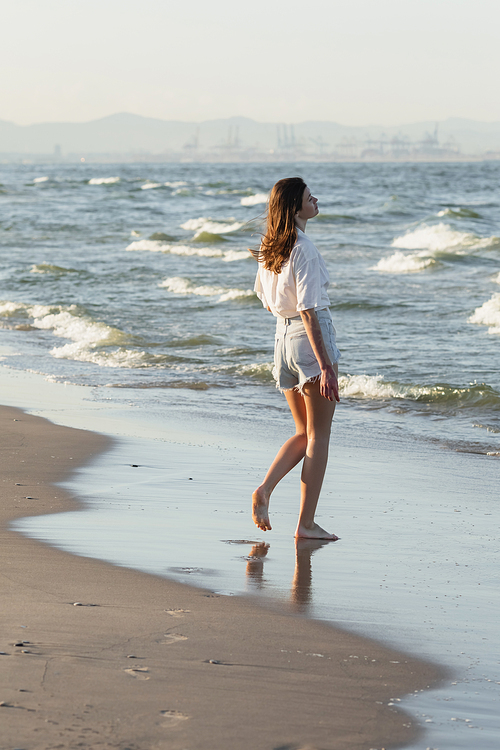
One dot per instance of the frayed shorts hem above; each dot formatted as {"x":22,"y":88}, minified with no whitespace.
{"x":300,"y":386}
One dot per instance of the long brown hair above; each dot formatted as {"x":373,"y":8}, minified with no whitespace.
{"x":285,"y":201}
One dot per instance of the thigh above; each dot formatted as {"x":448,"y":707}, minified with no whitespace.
{"x":319,"y":410}
{"x":297,"y":406}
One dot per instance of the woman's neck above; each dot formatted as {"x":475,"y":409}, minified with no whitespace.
{"x":300,"y":223}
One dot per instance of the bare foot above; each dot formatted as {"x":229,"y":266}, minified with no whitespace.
{"x":260,"y":510}
{"x":313,"y":531}
{"x":255,"y":563}
{"x":258,"y":551}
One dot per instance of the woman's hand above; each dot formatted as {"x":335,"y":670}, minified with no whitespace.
{"x":329,"y":384}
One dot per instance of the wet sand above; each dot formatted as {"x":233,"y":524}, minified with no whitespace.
{"x":98,"y":656}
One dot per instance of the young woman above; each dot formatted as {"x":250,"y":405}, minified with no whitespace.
{"x":292,"y":283}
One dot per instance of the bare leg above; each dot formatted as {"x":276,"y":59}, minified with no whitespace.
{"x":319,"y":419}
{"x":302,"y":578}
{"x":288,"y":456}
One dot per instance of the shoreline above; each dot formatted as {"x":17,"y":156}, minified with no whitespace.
{"x":155,"y":663}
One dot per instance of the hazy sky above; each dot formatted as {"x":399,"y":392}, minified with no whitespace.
{"x":357,"y":62}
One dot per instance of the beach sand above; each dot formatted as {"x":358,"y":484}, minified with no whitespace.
{"x":98,"y":656}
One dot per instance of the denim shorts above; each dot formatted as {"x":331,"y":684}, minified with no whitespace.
{"x":295,"y":363}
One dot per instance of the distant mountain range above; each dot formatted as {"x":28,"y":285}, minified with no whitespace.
{"x":125,"y":133}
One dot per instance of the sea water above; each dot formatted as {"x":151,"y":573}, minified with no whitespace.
{"x":135,"y":282}
{"x":138,"y":276}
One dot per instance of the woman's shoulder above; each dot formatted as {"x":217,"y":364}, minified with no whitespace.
{"x":304,"y":248}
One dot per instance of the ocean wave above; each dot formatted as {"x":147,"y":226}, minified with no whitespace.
{"x":334,"y":217}
{"x":180,"y":285}
{"x":103,"y":180}
{"x":441,"y":237}
{"x":156,"y":246}
{"x":91,"y":340}
{"x":254,"y":200}
{"x":460,"y":213}
{"x":208,"y":230}
{"x":151,"y":185}
{"x":230,"y":191}
{"x":49,"y":268}
{"x":488,"y":314}
{"x":374,"y":387}
{"x":202,"y":339}
{"x":401,"y":263}
{"x":262,"y":371}
{"x":41,"y":179}
{"x":431,"y":243}
{"x":162,"y":237}
{"x":8,"y":309}
{"x":232,"y":255}
{"x":184,"y":192}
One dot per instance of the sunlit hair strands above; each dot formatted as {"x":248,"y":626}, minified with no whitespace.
{"x":281,"y":233}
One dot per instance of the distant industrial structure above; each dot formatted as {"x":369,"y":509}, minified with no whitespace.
{"x":399,"y":147}
{"x":132,"y":138}
{"x":288,"y":147}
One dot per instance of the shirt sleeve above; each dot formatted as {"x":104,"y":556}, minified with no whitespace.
{"x":259,"y":289}
{"x":308,"y":281}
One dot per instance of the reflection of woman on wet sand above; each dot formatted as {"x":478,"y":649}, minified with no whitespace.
{"x":292,"y":283}
{"x":301,"y":594}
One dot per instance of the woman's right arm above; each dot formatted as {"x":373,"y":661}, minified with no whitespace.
{"x":328,"y":386}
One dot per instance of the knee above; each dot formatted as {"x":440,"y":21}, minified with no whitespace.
{"x":302,"y":439}
{"x":318,"y":439}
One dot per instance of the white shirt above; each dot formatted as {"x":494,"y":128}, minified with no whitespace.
{"x":301,"y":285}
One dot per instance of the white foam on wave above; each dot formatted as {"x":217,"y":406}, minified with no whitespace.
{"x":151,"y":185}
{"x":41,"y":179}
{"x":178,"y":184}
{"x":254,"y":200}
{"x":49,"y":268}
{"x":85,"y":333}
{"x":401,"y":263}
{"x":441,"y":237}
{"x":375,"y":388}
{"x":368,"y":386}
{"x":263,"y":370}
{"x":157,"y":246}
{"x":90,"y":339}
{"x":10,"y":308}
{"x":232,"y":255}
{"x":457,"y":212}
{"x":488,"y":314}
{"x":207,"y":225}
{"x":180,"y":285}
{"x":430,"y":242}
{"x":103,"y":180}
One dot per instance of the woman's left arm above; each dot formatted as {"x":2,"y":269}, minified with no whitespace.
{"x":329,"y":387}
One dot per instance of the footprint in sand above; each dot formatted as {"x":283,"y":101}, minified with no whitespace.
{"x":177,"y":612}
{"x":172,"y":718}
{"x":174,"y":637}
{"x":138,"y":673}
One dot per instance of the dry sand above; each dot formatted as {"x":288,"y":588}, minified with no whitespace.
{"x":97,"y":656}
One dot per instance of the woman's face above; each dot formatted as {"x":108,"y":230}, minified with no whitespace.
{"x":309,"y":207}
